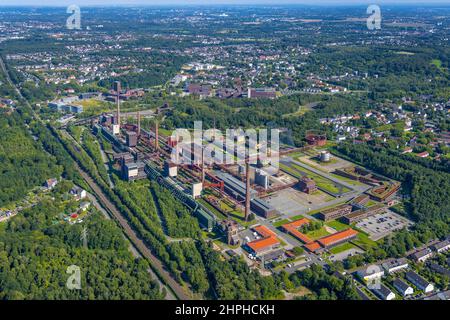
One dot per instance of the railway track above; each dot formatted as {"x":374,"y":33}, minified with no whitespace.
{"x":174,"y":286}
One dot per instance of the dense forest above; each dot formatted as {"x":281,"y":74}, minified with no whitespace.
{"x":36,"y":249}
{"x":279,"y":113}
{"x":325,"y":286}
{"x":23,"y":163}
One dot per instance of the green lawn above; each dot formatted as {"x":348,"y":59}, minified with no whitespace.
{"x":343,"y":247}
{"x":165,"y":132}
{"x":371,"y":203}
{"x":297,"y":217}
{"x":94,"y":106}
{"x":363,"y":241}
{"x":316,"y":234}
{"x":322,"y":182}
{"x":348,"y":180}
{"x":336,"y":225}
{"x":280,"y":223}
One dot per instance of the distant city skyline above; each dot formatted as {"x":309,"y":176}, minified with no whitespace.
{"x":217,"y":2}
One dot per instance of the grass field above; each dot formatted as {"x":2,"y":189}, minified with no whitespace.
{"x":371,"y":203}
{"x":321,"y":182}
{"x":280,"y":223}
{"x":348,"y":180}
{"x":438,"y":64}
{"x":165,"y":132}
{"x":343,"y":247}
{"x":336,"y":225}
{"x":94,"y":106}
{"x":316,"y":234}
{"x":363,"y":241}
{"x":297,"y":217}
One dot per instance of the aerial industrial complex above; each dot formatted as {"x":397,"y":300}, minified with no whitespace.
{"x":262,"y":211}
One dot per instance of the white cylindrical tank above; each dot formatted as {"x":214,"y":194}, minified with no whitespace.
{"x":325,"y":156}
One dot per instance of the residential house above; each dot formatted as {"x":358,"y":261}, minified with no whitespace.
{"x":384,"y":292}
{"x":51,"y":183}
{"x":422,"y":255}
{"x":419,"y":282}
{"x":402,"y":287}
{"x":395,"y":265}
{"x":441,"y":246}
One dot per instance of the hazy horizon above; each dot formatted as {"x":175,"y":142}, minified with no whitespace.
{"x":59,"y":3}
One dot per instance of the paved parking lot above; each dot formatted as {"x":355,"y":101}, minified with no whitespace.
{"x":380,"y":225}
{"x":345,"y":254}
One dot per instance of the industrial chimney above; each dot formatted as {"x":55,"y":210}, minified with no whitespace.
{"x":139,"y":123}
{"x":247,"y":189}
{"x":117,"y":88}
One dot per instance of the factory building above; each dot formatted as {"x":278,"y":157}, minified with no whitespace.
{"x":360,"y":201}
{"x":267,"y":243}
{"x":236,"y":188}
{"x":262,"y":208}
{"x":133,"y":171}
{"x":261,"y":178}
{"x":360,"y":214}
{"x":307,"y":185}
{"x":170,"y":169}
{"x":335,"y":213}
{"x":131,"y":138}
{"x":206,"y":220}
{"x":233,"y":186}
{"x":196,"y":189}
{"x":63,"y":107}
{"x":231,"y":228}
{"x":316,"y":139}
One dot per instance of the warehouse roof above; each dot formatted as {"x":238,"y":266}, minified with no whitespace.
{"x":264,"y":231}
{"x":260,"y":244}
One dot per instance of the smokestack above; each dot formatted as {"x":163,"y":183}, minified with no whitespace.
{"x":247,"y":189}
{"x":139,"y":123}
{"x":117,"y":88}
{"x":156,"y":136}
{"x":203,"y":167}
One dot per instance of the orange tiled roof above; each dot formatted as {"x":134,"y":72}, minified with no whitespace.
{"x":300,"y":236}
{"x":291,"y":228}
{"x":260,"y":244}
{"x":296,"y":224}
{"x":336,"y":237}
{"x":264,"y":231}
{"x":313,"y":246}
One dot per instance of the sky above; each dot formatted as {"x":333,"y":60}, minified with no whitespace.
{"x":207,"y":2}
